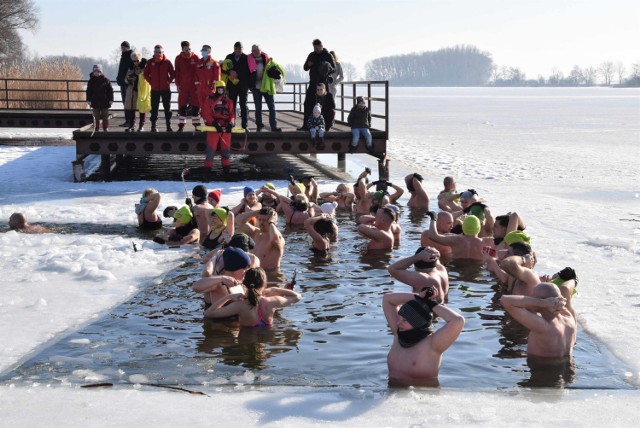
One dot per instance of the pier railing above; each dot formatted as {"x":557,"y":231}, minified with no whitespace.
{"x":69,"y":95}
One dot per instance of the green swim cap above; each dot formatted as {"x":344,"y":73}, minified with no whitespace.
{"x":221,"y":213}
{"x":301,"y":187}
{"x":183,"y":215}
{"x":379,"y":195}
{"x":517,"y":236}
{"x":270,"y":186}
{"x":471,"y":226}
{"x":477,"y":211}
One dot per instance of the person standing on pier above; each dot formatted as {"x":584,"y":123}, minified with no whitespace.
{"x":207,"y":73}
{"x":238,"y":81}
{"x":320,"y":64}
{"x":186,"y":64}
{"x":262,"y":84}
{"x":218,"y":112}
{"x":100,"y":97}
{"x":159,"y":73}
{"x":126,"y":63}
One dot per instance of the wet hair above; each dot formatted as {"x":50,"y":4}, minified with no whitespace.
{"x":502,"y":220}
{"x":17,"y":221}
{"x":266,"y":211}
{"x":520,"y":249}
{"x":420,"y":264}
{"x":300,"y":203}
{"x":255,"y":279}
{"x":325,"y":228}
{"x":149,"y":191}
{"x":168,"y":212}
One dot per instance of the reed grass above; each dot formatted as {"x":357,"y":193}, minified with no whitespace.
{"x":43,"y":92}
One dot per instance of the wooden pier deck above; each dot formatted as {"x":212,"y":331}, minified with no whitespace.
{"x":116,"y":145}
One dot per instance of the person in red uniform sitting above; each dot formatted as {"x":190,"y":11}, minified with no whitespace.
{"x":188,"y":104}
{"x":218,"y":112}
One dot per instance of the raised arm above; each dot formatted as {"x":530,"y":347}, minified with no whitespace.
{"x":390,"y":303}
{"x":218,"y":310}
{"x":399,"y":191}
{"x":281,"y":296}
{"x":519,"y":267}
{"x":446,"y":335}
{"x":206,"y":285}
{"x":242,"y":220}
{"x":523,"y":308}
{"x":318,"y":239}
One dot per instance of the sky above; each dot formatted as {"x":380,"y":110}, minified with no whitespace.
{"x":536,"y":36}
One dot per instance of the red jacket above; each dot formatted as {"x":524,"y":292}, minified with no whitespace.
{"x":218,"y":108}
{"x":207,"y":72}
{"x":186,"y":70}
{"x":159,"y":73}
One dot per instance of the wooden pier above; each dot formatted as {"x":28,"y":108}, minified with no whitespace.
{"x":116,"y":146}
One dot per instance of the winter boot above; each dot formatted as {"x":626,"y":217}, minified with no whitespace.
{"x":167,"y":119}
{"x":180,"y":127}
{"x":143,"y":117}
{"x":154,"y":128}
{"x":105,"y":125}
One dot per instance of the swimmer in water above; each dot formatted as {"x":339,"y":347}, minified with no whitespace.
{"x":419,"y":197}
{"x":416,"y":352}
{"x":148,"y":219}
{"x":428,"y":272}
{"x":255,"y":307}
{"x":18,"y":222}
{"x":550,"y":319}
{"x":323,"y":231}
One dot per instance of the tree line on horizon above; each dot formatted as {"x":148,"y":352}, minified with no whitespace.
{"x":466,"y":65}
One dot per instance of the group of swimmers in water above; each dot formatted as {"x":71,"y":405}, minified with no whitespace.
{"x":245,"y":245}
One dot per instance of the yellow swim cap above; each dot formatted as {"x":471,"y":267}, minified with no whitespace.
{"x":517,"y":236}
{"x":183,"y":215}
{"x":221,"y":213}
{"x":471,"y":226}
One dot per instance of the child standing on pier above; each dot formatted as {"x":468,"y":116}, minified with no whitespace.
{"x":99,"y":97}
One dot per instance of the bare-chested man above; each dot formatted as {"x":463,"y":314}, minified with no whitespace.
{"x":429,"y":272}
{"x":19,"y":223}
{"x":549,"y":318}
{"x":380,"y":233}
{"x":202,"y":210}
{"x":416,"y":353}
{"x":465,"y":246}
{"x":444,"y":224}
{"x":449,"y":197}
{"x":515,"y":270}
{"x":268,"y":239}
{"x":418,"y":198}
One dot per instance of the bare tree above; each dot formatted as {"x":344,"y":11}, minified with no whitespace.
{"x":15,"y":15}
{"x":350,"y":71}
{"x":589,"y":74}
{"x":556,"y":77}
{"x":606,"y":71}
{"x":576,"y":76}
{"x":294,"y":73}
{"x":621,"y":71}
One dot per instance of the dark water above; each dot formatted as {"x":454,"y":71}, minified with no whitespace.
{"x":336,"y":336}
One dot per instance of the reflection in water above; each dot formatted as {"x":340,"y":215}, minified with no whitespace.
{"x":245,"y":346}
{"x":550,"y":373}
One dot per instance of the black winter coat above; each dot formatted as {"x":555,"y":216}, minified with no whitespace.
{"x":314,"y":70}
{"x":241,"y":67}
{"x":99,"y":91}
{"x":125,"y":64}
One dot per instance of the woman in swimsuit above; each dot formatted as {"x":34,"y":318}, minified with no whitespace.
{"x":257,"y":306}
{"x":222,"y":228}
{"x":147,"y":217}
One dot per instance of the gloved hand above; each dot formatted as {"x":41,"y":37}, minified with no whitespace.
{"x":368,"y":170}
{"x":430,"y":294}
{"x":229,"y":127}
{"x":188,"y":202}
{"x":217,"y":126}
{"x":431,"y":215}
